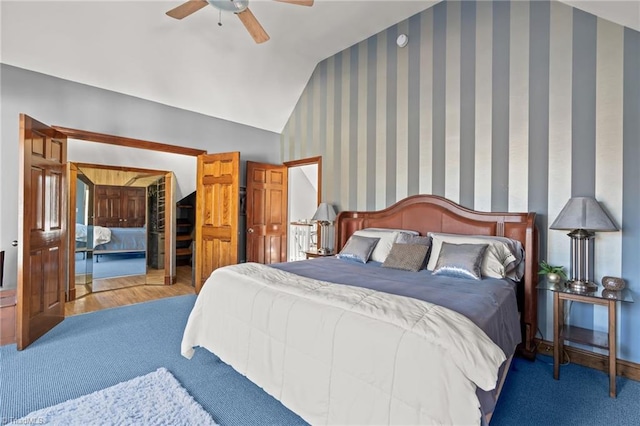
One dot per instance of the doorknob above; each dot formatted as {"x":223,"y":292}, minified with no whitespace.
{"x":250,"y":230}
{"x":14,"y":243}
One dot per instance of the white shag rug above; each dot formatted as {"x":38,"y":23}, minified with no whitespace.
{"x":153,"y":399}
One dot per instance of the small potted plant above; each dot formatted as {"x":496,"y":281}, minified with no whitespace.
{"x":554,"y":273}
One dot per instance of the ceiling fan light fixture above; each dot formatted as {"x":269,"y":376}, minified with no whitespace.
{"x":235,"y":6}
{"x":238,"y":7}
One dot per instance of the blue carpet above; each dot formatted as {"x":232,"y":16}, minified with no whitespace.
{"x":118,"y":265}
{"x":89,"y":352}
{"x":531,"y":396}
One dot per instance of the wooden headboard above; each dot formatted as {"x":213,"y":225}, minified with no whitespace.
{"x":431,"y":213}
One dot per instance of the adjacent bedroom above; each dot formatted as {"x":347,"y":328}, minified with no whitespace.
{"x":113,"y":248}
{"x":332,"y":212}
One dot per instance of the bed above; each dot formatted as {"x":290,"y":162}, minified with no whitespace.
{"x":99,"y":235}
{"x":122,"y":241}
{"x":345,"y":343}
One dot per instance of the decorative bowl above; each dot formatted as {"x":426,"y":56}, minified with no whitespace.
{"x":610,"y":294}
{"x":613,"y":283}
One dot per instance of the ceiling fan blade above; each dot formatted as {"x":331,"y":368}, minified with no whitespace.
{"x":186,"y":9}
{"x":253,"y":26}
{"x":298,"y":2}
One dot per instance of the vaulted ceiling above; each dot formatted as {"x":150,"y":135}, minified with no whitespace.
{"x":132,"y":47}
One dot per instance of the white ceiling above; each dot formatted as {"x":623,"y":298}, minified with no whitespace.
{"x":623,"y":12}
{"x":132,"y":47}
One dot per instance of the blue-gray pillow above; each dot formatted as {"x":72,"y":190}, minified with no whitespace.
{"x":460,"y":260}
{"x":416,"y":239}
{"x":408,"y":257}
{"x":358,"y":248}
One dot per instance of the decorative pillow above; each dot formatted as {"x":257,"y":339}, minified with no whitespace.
{"x":382,"y":249}
{"x":498,"y":260}
{"x":460,"y":260}
{"x":408,"y":257}
{"x":358,"y":248}
{"x":416,"y":239}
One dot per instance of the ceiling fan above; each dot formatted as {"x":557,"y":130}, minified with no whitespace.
{"x":238,"y":7}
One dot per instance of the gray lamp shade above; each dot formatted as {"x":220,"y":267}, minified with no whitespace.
{"x":325,"y":213}
{"x":583,"y":213}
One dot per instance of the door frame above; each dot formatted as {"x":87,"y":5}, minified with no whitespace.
{"x":89,"y":136}
{"x":306,"y":162}
{"x":72,"y":185}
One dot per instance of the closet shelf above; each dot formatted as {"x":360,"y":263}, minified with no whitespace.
{"x":183,"y":251}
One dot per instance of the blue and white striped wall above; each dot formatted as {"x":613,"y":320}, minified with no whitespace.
{"x":504,"y":106}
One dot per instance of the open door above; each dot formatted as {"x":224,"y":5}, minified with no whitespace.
{"x":42,"y":258}
{"x":72,"y":175}
{"x":218,"y":191}
{"x":266,"y":212}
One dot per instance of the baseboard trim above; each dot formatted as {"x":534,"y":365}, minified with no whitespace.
{"x":593,"y":360}
{"x":7,"y":317}
{"x":71,"y":294}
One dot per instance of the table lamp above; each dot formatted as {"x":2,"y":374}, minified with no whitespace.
{"x":325,"y":214}
{"x":583,"y":216}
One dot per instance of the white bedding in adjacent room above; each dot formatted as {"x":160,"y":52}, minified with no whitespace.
{"x":338,"y":354}
{"x":101,"y":235}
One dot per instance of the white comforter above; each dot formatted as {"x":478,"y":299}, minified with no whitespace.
{"x":101,"y":235}
{"x":337,"y":354}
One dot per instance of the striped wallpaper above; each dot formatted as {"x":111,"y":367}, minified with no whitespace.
{"x":505,"y":106}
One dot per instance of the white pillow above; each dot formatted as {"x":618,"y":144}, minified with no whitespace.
{"x":383,"y":248}
{"x":515,"y":271}
{"x":403,"y":231}
{"x":499,"y":259}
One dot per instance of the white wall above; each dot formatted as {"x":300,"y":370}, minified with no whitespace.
{"x":182,"y":166}
{"x":303,"y":193}
{"x":302,"y":204}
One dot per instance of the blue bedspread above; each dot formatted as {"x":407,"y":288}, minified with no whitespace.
{"x":490,"y":303}
{"x":125,"y":239}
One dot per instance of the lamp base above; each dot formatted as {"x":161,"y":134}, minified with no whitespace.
{"x":582,"y":286}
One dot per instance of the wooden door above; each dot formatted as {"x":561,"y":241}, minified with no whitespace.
{"x":108,"y":206}
{"x":42,"y":258}
{"x":218,"y":192}
{"x":134,"y":211}
{"x":266,"y":213}
{"x":120,"y":206}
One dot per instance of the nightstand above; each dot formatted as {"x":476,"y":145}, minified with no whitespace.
{"x":562,"y":331}
{"x":312,"y":254}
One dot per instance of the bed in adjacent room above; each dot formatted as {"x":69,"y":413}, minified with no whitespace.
{"x":122,"y":241}
{"x":390,"y":332}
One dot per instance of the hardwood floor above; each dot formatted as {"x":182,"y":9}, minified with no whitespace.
{"x":115,"y":283}
{"x":131,"y":295}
